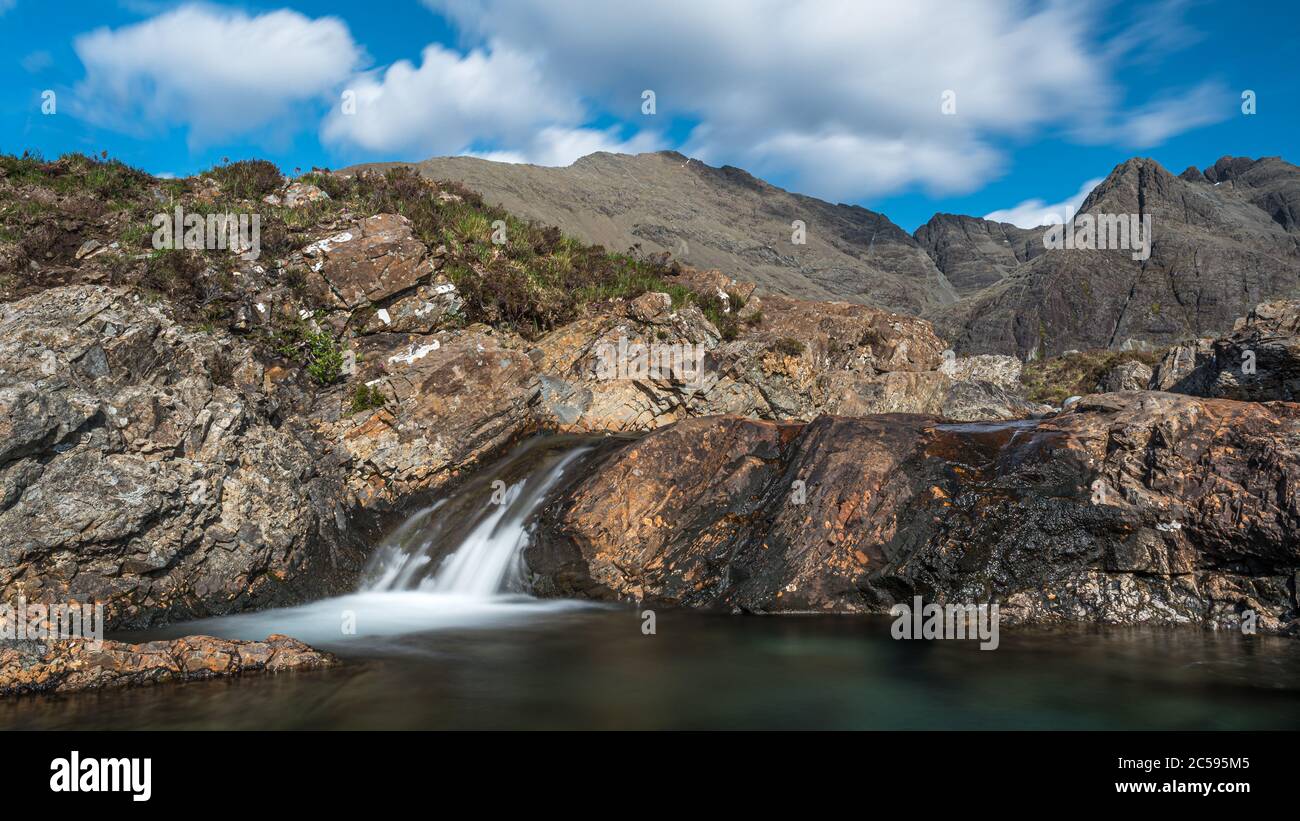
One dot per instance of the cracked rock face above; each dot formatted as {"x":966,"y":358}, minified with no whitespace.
{"x":141,"y":468}
{"x":1134,"y":507}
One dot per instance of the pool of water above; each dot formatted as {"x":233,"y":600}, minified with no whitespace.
{"x":516,"y":663}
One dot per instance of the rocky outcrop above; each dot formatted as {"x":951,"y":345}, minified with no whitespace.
{"x":143,"y":468}
{"x":374,"y":259}
{"x":1132,"y":507}
{"x":1126,"y":376}
{"x":1258,"y":361}
{"x":803,"y":359}
{"x":451,"y":398}
{"x":69,"y":665}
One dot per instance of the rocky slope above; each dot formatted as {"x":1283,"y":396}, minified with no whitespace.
{"x":1223,"y":242}
{"x":1133,"y":507}
{"x":715,"y":218}
{"x":975,"y":253}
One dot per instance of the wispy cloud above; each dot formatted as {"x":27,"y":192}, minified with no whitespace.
{"x":1152,"y":124}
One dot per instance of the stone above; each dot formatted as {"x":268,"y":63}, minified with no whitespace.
{"x":1134,"y":507}
{"x":370,"y":261}
{"x":131,"y":475}
{"x":75,"y":665}
{"x":1126,"y":376}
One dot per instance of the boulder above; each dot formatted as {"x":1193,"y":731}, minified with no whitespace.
{"x":1132,"y":508}
{"x":372,"y":260}
{"x":1126,"y":376}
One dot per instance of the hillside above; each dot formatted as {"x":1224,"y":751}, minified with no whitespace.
{"x":712,"y":217}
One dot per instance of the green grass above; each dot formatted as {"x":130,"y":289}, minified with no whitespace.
{"x":247,"y":179}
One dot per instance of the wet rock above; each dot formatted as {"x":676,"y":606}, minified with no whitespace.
{"x":72,"y":665}
{"x":1133,"y":507}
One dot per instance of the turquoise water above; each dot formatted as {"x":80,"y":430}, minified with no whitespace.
{"x":555,"y":667}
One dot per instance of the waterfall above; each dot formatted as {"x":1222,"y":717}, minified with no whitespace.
{"x":471,"y":542}
{"x":455,"y":564}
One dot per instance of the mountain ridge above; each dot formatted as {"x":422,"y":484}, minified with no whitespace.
{"x":1225,"y":239}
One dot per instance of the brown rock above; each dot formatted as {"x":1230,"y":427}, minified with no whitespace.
{"x":1134,"y":507}
{"x":372,"y":260}
{"x":72,"y":665}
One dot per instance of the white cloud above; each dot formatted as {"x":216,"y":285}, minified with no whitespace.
{"x":843,"y":97}
{"x":220,"y":72}
{"x":840,"y":96}
{"x":1035,"y":212}
{"x":450,"y":102}
{"x":557,"y":145}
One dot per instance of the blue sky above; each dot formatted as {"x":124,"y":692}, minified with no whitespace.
{"x":841,"y":99}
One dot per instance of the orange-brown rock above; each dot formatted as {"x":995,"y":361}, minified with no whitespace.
{"x":1134,"y":507}
{"x":71,"y":665}
{"x":370,"y":261}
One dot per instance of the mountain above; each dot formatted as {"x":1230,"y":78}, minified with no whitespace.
{"x":726,"y":218}
{"x":1222,"y":241}
{"x":975,"y":253}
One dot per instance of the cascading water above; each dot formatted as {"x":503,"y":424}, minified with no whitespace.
{"x":471,"y":543}
{"x":457,"y":563}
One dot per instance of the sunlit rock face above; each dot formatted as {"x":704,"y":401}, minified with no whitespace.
{"x":1130,"y":508}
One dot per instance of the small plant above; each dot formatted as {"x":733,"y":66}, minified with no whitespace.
{"x":324,"y":359}
{"x":367,"y":397}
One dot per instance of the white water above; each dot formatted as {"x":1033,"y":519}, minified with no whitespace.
{"x":477,"y":582}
